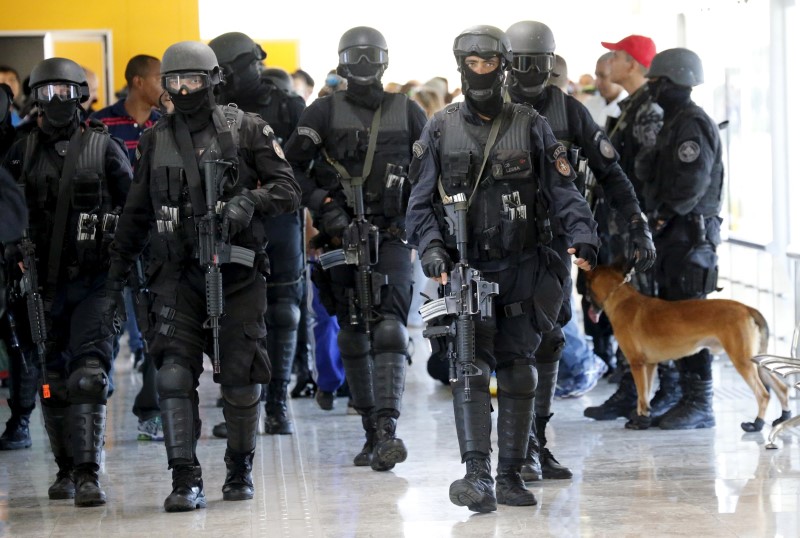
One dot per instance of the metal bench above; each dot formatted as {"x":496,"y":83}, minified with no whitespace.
{"x":783,"y":366}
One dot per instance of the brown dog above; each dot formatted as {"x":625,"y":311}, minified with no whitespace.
{"x":650,"y":330}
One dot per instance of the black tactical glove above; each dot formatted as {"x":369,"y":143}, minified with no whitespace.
{"x":435,"y":260}
{"x":643,"y":251}
{"x":587,"y":252}
{"x":113,"y":290}
{"x":334,"y":219}
{"x":238,"y":213}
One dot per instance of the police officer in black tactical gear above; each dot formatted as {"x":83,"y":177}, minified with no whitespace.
{"x":682,"y":178}
{"x":498,"y":155}
{"x":76,"y":179}
{"x":168,"y":203}
{"x":239,"y":56}
{"x":593,"y":156}
{"x":360,"y":140}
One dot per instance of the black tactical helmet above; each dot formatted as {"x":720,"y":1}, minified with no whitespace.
{"x":191,"y":56}
{"x":363,"y":55}
{"x":230,"y":46}
{"x":531,"y":37}
{"x":59,"y":70}
{"x":363,"y":36}
{"x":681,"y":66}
{"x":483,"y":41}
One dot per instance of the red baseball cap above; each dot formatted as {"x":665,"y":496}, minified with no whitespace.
{"x":641,"y":48}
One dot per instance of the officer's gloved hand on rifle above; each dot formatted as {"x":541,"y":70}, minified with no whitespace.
{"x":238,"y":213}
{"x":333,"y":219}
{"x":642,"y":248}
{"x":113,"y":290}
{"x":435,"y":260}
{"x":585,"y":255}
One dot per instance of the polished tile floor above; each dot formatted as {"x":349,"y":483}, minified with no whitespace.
{"x":717,"y":482}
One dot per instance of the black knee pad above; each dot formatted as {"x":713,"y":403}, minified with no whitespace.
{"x":352,"y":344}
{"x":551,"y":347}
{"x":174,"y":380}
{"x":283,"y":315}
{"x":391,"y":336}
{"x":517,"y":380}
{"x":88,"y":382}
{"x":242,"y":396}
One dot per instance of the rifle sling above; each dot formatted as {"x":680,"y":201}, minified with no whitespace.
{"x":487,"y":149}
{"x":62,"y":206}
{"x":190,"y":166}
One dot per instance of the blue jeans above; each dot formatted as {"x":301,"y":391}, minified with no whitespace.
{"x":134,"y":336}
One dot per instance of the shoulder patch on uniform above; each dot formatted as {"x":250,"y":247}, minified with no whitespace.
{"x":310,"y":133}
{"x":689,"y":151}
{"x":556,"y":151}
{"x":562,"y":166}
{"x":278,"y":149}
{"x":606,"y":148}
{"x":419,"y":149}
{"x":268,"y":131}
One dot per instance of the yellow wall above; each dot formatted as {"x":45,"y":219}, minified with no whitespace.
{"x":88,"y":55}
{"x":283,"y":54}
{"x":137,"y":26}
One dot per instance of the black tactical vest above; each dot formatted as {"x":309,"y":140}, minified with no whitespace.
{"x":85,"y":242}
{"x":349,"y":136}
{"x":175,"y":236}
{"x":555,"y":110}
{"x":273,"y":107}
{"x":510,"y":169}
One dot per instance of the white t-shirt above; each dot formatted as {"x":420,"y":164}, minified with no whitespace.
{"x":600,"y":110}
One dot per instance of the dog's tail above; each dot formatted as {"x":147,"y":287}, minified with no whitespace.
{"x":763,"y":329}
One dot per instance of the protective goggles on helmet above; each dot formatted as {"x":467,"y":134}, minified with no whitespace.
{"x":191,"y":82}
{"x":477,"y":44}
{"x":64,"y":91}
{"x":539,"y":63}
{"x":373,"y":55}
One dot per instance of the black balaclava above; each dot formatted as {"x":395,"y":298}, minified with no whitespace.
{"x":483,"y":93}
{"x":668,"y":95}
{"x":242,"y":81}
{"x":59,"y":118}
{"x":368,"y":94}
{"x":195,"y":108}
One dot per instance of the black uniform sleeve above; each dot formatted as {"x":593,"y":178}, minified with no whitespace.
{"x":691,"y":160}
{"x":13,"y":160}
{"x":133,"y":229}
{"x":278,"y":192}
{"x":13,"y":212}
{"x":567,"y":205}
{"x":118,"y":173}
{"x":303,"y":148}
{"x":422,"y":226}
{"x":416,"y":120}
{"x":603,"y":160}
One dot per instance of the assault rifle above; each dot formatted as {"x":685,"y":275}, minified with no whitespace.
{"x":360,"y":243}
{"x":469,"y":296}
{"x":29,"y":288}
{"x":214,"y":249}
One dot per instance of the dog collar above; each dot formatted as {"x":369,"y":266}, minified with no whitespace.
{"x":625,"y":280}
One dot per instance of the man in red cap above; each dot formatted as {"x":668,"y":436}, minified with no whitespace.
{"x":633,"y":135}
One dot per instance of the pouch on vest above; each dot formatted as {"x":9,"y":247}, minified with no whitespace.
{"x":396,"y":191}
{"x":87,"y":192}
{"x":459,"y":166}
{"x":550,"y":279}
{"x":513,"y":223}
{"x":700,"y":271}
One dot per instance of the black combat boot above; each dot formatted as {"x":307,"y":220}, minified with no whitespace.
{"x":511,"y":489}
{"x":388,"y":449}
{"x":476,"y":489}
{"x":364,"y":458}
{"x":17,"y":434}
{"x":669,"y":391}
{"x":695,"y":409}
{"x":551,"y":469}
{"x":277,"y":421}
{"x":239,"y":479}
{"x":187,"y":489}
{"x":87,"y":486}
{"x":64,"y":486}
{"x":620,"y":404}
{"x":531,"y":470}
